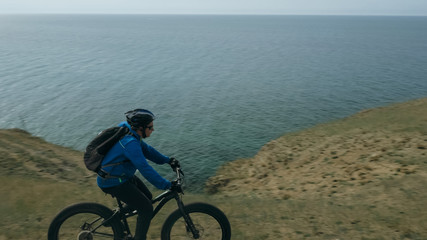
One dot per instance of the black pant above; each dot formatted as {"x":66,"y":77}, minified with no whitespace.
{"x":137,"y":196}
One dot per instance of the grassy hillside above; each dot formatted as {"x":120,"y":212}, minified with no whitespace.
{"x":362,"y":177}
{"x":38,"y":179}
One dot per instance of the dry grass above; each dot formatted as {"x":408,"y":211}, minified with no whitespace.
{"x":362,"y":177}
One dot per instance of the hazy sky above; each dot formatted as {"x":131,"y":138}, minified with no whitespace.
{"x":322,"y":7}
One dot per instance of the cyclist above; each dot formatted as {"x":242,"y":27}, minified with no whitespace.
{"x":128,"y":155}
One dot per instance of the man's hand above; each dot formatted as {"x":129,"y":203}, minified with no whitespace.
{"x":174,"y":163}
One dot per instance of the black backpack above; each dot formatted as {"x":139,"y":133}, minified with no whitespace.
{"x":100,"y":145}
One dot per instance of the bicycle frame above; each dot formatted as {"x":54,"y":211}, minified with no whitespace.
{"x":81,"y":216}
{"x":162,"y":199}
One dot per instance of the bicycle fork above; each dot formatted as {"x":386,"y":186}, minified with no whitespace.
{"x":188,"y":222}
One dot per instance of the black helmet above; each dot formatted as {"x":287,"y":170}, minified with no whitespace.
{"x":139,"y":117}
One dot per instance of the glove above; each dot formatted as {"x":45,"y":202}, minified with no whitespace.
{"x":174,"y":163}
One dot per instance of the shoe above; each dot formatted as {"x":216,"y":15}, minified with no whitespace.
{"x":126,"y":209}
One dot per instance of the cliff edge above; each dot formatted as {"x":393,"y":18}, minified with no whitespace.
{"x":372,"y":153}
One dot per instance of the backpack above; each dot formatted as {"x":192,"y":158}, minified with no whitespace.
{"x":100,"y":145}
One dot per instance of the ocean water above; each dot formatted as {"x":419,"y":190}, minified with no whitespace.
{"x":221,"y":86}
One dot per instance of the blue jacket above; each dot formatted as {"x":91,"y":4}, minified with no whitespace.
{"x":137,"y":152}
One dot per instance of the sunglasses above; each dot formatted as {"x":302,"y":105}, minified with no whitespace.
{"x":150,"y":127}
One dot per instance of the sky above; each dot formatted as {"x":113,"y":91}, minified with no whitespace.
{"x":285,"y":7}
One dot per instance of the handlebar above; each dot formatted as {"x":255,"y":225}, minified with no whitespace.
{"x":179,"y":179}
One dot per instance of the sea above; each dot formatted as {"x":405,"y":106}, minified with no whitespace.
{"x":221,"y":86}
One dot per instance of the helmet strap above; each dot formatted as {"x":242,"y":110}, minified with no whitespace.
{"x":143,"y":132}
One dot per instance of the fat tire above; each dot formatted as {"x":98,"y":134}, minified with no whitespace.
{"x":202,"y":208}
{"x":93,"y":208}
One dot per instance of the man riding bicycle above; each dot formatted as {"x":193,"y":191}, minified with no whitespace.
{"x":117,"y":174}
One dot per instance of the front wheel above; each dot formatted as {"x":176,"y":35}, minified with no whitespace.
{"x":209,"y":222}
{"x":85,"y":221}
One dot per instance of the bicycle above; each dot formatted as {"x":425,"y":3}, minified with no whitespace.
{"x":88,"y":220}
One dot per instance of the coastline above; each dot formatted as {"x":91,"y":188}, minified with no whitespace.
{"x":361,"y":177}
{"x":365,"y":148}
{"x":368,"y":135}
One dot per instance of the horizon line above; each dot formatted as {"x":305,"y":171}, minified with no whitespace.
{"x":215,"y":14}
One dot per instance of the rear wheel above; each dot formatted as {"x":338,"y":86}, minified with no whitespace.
{"x":85,"y":221}
{"x":209,"y":221}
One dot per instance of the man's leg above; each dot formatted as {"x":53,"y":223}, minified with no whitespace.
{"x":130,"y":193}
